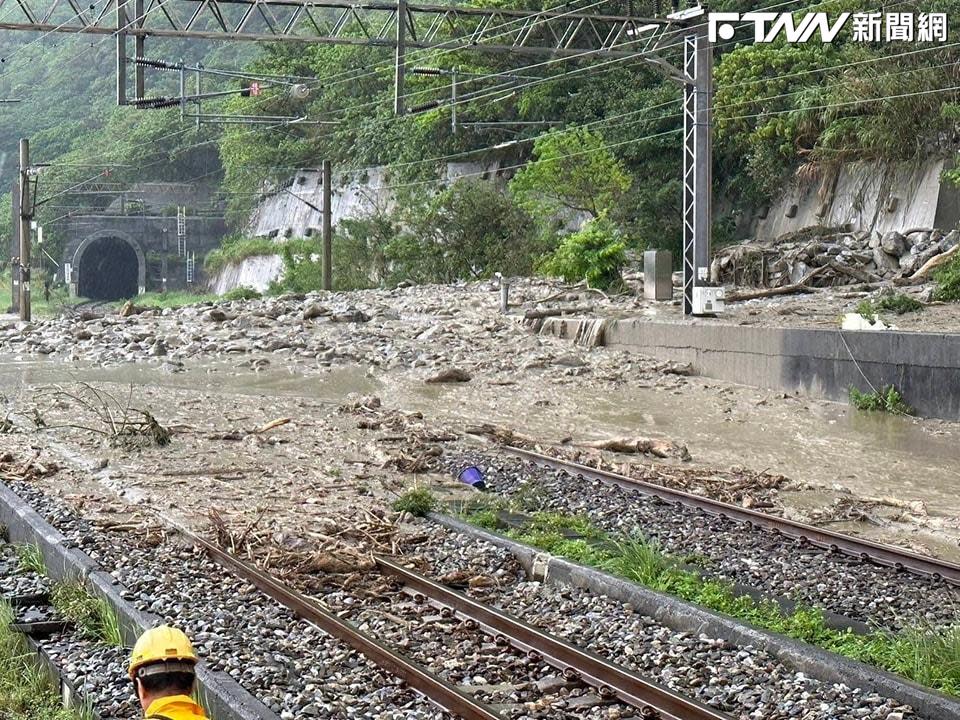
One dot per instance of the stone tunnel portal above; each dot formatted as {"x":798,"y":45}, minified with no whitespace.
{"x":109,"y":269}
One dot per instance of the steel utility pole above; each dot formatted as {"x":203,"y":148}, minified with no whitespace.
{"x":697,"y":162}
{"x":401,"y":58}
{"x":25,"y":217}
{"x":327,"y":234}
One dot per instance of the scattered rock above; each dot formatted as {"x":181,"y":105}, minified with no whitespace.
{"x":450,"y":375}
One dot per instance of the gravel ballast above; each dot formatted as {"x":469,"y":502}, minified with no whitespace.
{"x":777,"y":566}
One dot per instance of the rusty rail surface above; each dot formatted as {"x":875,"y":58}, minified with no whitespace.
{"x":865,"y":550}
{"x":654,"y":701}
{"x":438,"y":691}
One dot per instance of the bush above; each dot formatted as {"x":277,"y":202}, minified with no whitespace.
{"x":418,"y":501}
{"x":898,"y":304}
{"x":234,"y":249}
{"x":241,"y":293}
{"x":886,"y":399}
{"x":947,"y":279}
{"x":594,"y":253}
{"x":302,"y":267}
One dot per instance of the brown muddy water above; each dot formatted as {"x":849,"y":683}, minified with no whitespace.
{"x":825,"y":444}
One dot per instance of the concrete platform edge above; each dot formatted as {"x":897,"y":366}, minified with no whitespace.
{"x":223,"y":697}
{"x":819,"y":362}
{"x":682,"y":616}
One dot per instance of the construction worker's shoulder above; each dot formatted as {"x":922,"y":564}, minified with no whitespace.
{"x":175,"y":707}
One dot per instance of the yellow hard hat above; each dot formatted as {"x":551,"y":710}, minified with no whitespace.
{"x":161,"y":644}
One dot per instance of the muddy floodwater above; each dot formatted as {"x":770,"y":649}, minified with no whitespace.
{"x":826,"y":445}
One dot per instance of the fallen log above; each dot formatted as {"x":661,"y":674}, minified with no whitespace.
{"x":798,"y":287}
{"x":640,"y":445}
{"x":935,"y":262}
{"x":555,"y":312}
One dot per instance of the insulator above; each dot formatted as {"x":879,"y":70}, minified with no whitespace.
{"x":426,"y":71}
{"x":425,"y":106}
{"x":155,"y":103}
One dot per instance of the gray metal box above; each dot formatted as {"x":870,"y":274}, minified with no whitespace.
{"x":657,"y":275}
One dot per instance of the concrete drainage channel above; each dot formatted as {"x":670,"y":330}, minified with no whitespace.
{"x":682,"y":616}
{"x":223,"y":697}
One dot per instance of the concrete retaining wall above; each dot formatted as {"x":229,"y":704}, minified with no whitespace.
{"x":925,"y":367}
{"x":866,"y":196}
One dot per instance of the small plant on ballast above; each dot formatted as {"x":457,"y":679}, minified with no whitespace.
{"x":31,"y":559}
{"x":93,"y":616}
{"x":417,"y":501}
{"x":885,"y":399}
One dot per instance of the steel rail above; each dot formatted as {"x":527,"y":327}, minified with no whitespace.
{"x":653,"y":700}
{"x":865,"y":550}
{"x":438,"y":691}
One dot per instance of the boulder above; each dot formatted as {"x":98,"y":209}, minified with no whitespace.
{"x":315,"y":310}
{"x":950,"y":240}
{"x":885,"y":261}
{"x":893,"y":243}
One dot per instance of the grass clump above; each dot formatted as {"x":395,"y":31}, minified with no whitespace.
{"x":947,"y":281}
{"x":31,"y":559}
{"x":927,"y":655}
{"x":897,"y":304}
{"x":26,"y":692}
{"x":887,"y":399}
{"x":418,"y":501}
{"x":235,"y":250}
{"x":172,"y":299}
{"x":241,"y":293}
{"x":94,"y":617}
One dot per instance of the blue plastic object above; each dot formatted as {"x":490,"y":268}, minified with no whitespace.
{"x":471,"y":475}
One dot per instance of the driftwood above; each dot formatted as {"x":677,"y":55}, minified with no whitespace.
{"x":935,"y":262}
{"x":856,"y":273}
{"x":798,"y":287}
{"x":554,"y":312}
{"x":643,"y":446}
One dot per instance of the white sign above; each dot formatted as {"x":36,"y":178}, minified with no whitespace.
{"x":864,"y":27}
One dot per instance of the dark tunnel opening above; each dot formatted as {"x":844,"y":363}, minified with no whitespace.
{"x":108,"y":270}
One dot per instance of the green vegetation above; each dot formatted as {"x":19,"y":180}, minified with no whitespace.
{"x":898,"y":304}
{"x":571,"y":172}
{"x":235,"y":249}
{"x":927,"y":655}
{"x":886,"y":399}
{"x":418,"y":501}
{"x":947,"y":278}
{"x":782,"y":111}
{"x":39,"y":306}
{"x":171,"y":299}
{"x":241,"y":293}
{"x":31,"y":559}
{"x":94,"y":617}
{"x":26,"y":692}
{"x":595,"y":254}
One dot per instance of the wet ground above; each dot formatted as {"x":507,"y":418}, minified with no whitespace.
{"x":834,"y":454}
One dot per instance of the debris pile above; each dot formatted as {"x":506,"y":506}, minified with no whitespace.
{"x":825,"y":257}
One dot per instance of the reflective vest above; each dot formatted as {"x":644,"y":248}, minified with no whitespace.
{"x":175,"y":707}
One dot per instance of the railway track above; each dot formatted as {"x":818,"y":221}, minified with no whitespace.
{"x":864,"y":550}
{"x":652,"y":701}
{"x":297,"y":670}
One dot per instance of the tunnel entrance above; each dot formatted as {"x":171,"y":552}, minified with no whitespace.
{"x":109,"y":270}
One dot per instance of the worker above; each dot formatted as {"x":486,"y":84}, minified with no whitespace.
{"x":162,"y":668}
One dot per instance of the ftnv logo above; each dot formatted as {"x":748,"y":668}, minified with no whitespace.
{"x":864,"y":27}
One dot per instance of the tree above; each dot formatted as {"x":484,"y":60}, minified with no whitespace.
{"x":572,"y":171}
{"x":469,"y":231}
{"x":595,"y":253}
